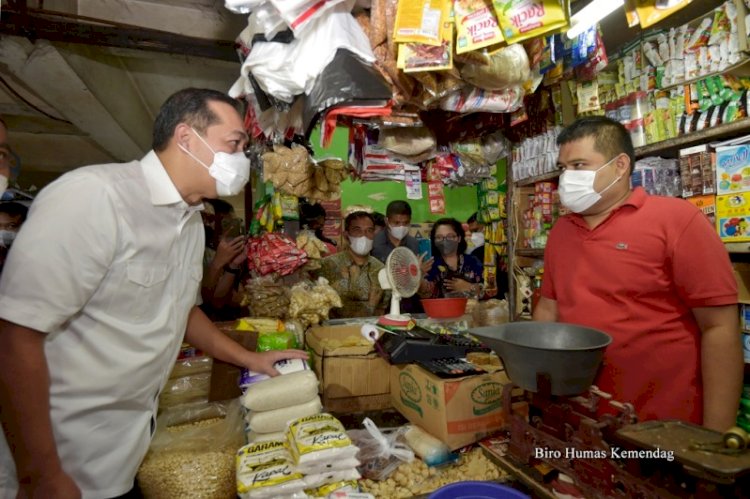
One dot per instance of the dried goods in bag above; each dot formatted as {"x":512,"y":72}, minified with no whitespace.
{"x":505,"y":68}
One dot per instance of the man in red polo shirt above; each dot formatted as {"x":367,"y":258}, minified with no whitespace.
{"x":652,"y":273}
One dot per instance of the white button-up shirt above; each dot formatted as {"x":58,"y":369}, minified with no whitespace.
{"x":109,"y":264}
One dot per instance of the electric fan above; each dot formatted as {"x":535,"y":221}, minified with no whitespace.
{"x":402,"y":275}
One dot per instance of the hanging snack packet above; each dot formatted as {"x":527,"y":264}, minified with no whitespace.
{"x":421,"y":22}
{"x":476,"y":26}
{"x":521,"y":20}
{"x":649,"y":14}
{"x":413,"y":57}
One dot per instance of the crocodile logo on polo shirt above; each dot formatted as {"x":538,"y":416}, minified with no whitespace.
{"x":621,"y":246}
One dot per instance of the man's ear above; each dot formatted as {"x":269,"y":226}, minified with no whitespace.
{"x":182,"y":134}
{"x":623,"y":165}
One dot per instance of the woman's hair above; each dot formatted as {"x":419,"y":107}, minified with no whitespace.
{"x":457,"y":227}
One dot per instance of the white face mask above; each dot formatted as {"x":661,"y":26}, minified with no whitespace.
{"x":360,"y":245}
{"x":231,"y":171}
{"x":576,"y":188}
{"x":398,"y":232}
{"x":7,"y":237}
{"x":3,"y":184}
{"x":477,"y":239}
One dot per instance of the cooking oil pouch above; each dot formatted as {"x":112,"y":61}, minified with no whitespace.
{"x":476,"y":25}
{"x":524,"y":19}
{"x":421,"y":21}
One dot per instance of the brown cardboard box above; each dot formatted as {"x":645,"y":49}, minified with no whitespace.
{"x":352,"y":378}
{"x":225,"y":376}
{"x":742,"y":276}
{"x":457,"y":411}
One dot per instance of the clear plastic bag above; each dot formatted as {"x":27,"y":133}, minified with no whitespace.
{"x":192,"y":453}
{"x":381,"y":453}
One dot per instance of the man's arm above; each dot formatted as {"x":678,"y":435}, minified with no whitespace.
{"x":722,"y":365}
{"x":204,"y":335}
{"x":545,"y":310}
{"x":25,"y":415}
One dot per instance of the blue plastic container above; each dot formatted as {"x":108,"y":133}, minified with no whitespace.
{"x":476,"y":490}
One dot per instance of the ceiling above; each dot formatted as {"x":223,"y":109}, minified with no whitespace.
{"x":82,"y":80}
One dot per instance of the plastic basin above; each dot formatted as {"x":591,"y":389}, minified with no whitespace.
{"x":444,"y":308}
{"x":476,"y":490}
{"x":568,"y":353}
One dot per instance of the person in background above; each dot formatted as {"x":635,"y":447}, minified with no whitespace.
{"x":651,"y":272}
{"x":313,"y":217}
{"x":224,"y":264}
{"x":379,"y":219}
{"x":12,"y":216}
{"x":476,"y":235}
{"x":398,"y":223}
{"x":353,"y":273}
{"x":98,"y":295}
{"x":453,"y":272}
{"x":5,"y":157}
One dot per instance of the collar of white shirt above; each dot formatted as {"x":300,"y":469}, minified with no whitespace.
{"x":161,"y":187}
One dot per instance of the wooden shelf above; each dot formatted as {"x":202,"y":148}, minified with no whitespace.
{"x":538,"y":178}
{"x":530,"y":252}
{"x":738,"y":247}
{"x":672,"y":145}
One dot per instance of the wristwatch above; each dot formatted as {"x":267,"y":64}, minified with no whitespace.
{"x":230,"y":270}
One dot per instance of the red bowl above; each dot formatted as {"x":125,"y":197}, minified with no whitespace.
{"x":444,"y":308}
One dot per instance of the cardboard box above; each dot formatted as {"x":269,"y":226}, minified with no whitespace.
{"x":224,"y":376}
{"x":352,"y":378}
{"x":457,"y":411}
{"x":742,"y":276}
{"x":733,"y":217}
{"x":733,"y":169}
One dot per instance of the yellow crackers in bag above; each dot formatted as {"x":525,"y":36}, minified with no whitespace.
{"x":524,"y":19}
{"x":476,"y":25}
{"x":420,"y":21}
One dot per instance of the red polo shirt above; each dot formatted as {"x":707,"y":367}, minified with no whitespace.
{"x":636,"y":277}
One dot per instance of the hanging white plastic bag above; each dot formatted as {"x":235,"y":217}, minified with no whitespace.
{"x":242,"y":6}
{"x":299,"y":15}
{"x":473,"y":99}
{"x":286,"y":70}
{"x":379,"y":453}
{"x":265,"y":19}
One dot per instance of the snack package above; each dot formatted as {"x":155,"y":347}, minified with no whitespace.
{"x":530,"y":18}
{"x":476,"y":25}
{"x":649,"y":13}
{"x":420,"y":21}
{"x":414,"y":57}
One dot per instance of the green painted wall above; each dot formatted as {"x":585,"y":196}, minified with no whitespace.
{"x":460,"y":202}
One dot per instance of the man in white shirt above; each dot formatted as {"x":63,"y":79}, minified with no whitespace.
{"x":97,"y":296}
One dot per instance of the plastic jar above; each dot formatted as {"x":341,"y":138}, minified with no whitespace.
{"x":637,"y":132}
{"x":624,"y":110}
{"x":638,"y":105}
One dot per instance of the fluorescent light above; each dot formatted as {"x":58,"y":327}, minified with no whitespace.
{"x":592,"y":14}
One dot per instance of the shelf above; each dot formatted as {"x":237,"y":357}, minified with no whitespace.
{"x":538,"y":178}
{"x":702,"y":137}
{"x":728,"y":69}
{"x":530,"y":252}
{"x":738,"y":247}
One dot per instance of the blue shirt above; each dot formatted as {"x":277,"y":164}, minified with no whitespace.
{"x":469,"y":269}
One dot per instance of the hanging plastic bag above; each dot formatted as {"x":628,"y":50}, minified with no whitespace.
{"x":380,"y":453}
{"x":472,"y":99}
{"x":299,"y":15}
{"x":505,"y":68}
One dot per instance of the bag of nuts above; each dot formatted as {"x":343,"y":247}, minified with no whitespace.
{"x":193,"y":452}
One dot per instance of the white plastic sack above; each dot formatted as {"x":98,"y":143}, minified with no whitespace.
{"x":265,"y":19}
{"x":242,"y":6}
{"x":473,"y":99}
{"x":286,"y":70}
{"x":300,"y":15}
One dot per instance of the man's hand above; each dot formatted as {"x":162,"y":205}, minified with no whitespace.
{"x":263,"y":362}
{"x":228,"y":251}
{"x":57,"y":485}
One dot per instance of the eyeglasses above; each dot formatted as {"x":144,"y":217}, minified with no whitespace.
{"x":449,"y":237}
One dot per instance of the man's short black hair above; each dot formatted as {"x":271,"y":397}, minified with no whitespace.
{"x":189,"y":106}
{"x":14,"y":209}
{"x":398,"y":208}
{"x":472,"y":218}
{"x":355,"y":215}
{"x":610,"y":137}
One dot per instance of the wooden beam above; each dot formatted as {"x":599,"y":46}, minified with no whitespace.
{"x":46,"y":72}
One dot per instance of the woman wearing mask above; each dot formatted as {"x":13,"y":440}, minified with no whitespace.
{"x":353,"y":273}
{"x":453,"y":273}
